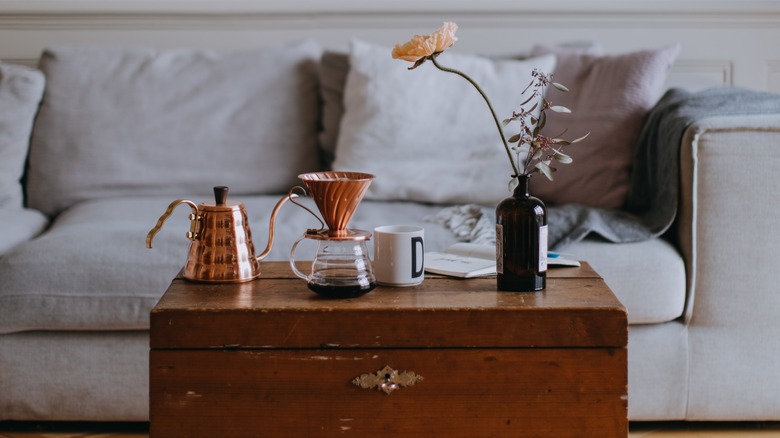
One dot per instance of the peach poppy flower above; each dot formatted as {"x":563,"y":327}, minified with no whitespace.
{"x":424,"y":46}
{"x":444,"y":37}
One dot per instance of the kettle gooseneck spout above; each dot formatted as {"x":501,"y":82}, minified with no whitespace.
{"x":270,"y":244}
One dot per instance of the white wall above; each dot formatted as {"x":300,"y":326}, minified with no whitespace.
{"x":724,"y":42}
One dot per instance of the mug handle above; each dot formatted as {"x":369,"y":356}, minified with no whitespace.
{"x":292,"y":260}
{"x":415,"y":272}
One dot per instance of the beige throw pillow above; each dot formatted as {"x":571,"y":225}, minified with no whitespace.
{"x":610,"y":97}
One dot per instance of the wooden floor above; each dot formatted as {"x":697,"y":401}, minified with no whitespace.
{"x":637,"y":430}
{"x":704,"y":430}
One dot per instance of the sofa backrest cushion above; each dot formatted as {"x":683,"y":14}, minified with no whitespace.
{"x":136,"y":121}
{"x":21,"y":89}
{"x":610,"y":97}
{"x":427,"y":135}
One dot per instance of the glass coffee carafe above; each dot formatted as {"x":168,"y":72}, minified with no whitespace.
{"x":341,"y":267}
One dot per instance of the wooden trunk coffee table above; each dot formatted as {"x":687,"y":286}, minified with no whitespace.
{"x":447,"y":358}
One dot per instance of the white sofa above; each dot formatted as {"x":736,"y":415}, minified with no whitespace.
{"x":77,"y":283}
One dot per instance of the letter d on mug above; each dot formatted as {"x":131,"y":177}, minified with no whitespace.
{"x":399,"y":255}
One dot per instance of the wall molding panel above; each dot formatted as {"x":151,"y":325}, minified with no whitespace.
{"x":699,"y":74}
{"x":723,"y":41}
{"x":341,"y":7}
{"x":773,"y":76}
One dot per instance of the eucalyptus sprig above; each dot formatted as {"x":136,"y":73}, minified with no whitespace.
{"x":539,"y":150}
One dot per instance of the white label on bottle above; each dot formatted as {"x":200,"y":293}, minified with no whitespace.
{"x":500,"y":249}
{"x":543,"y":249}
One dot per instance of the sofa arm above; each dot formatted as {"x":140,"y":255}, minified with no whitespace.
{"x":728,"y":215}
{"x":729,"y":218}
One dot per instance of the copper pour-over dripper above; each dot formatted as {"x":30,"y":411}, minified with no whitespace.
{"x":337,"y":195}
{"x":341,"y":267}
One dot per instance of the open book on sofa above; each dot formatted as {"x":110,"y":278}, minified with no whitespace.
{"x":468,"y":260}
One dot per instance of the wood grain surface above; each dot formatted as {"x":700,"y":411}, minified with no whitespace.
{"x":463,"y":393}
{"x":272,"y":312}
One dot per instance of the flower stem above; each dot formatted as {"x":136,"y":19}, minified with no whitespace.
{"x":490,"y":106}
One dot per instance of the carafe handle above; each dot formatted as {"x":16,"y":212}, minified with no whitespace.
{"x":192,"y":234}
{"x":292,"y":260}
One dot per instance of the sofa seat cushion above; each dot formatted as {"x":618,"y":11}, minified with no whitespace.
{"x":647,"y":277}
{"x":92,"y":271}
{"x":19,"y":226}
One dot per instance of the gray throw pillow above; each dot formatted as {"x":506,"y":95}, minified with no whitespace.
{"x":138,"y":121}
{"x":427,"y":135}
{"x":21,"y":89}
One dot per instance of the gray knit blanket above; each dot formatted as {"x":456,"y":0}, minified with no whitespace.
{"x":653,"y":195}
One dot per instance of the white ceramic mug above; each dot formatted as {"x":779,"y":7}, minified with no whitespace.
{"x":399,"y":255}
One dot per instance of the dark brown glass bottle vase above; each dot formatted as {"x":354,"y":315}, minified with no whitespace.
{"x":521,"y":241}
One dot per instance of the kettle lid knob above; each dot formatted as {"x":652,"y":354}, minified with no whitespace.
{"x":220,"y":195}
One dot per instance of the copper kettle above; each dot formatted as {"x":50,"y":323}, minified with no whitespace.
{"x":222,"y":250}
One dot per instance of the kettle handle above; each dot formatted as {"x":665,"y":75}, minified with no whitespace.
{"x":292,"y":260}
{"x":192,"y":234}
